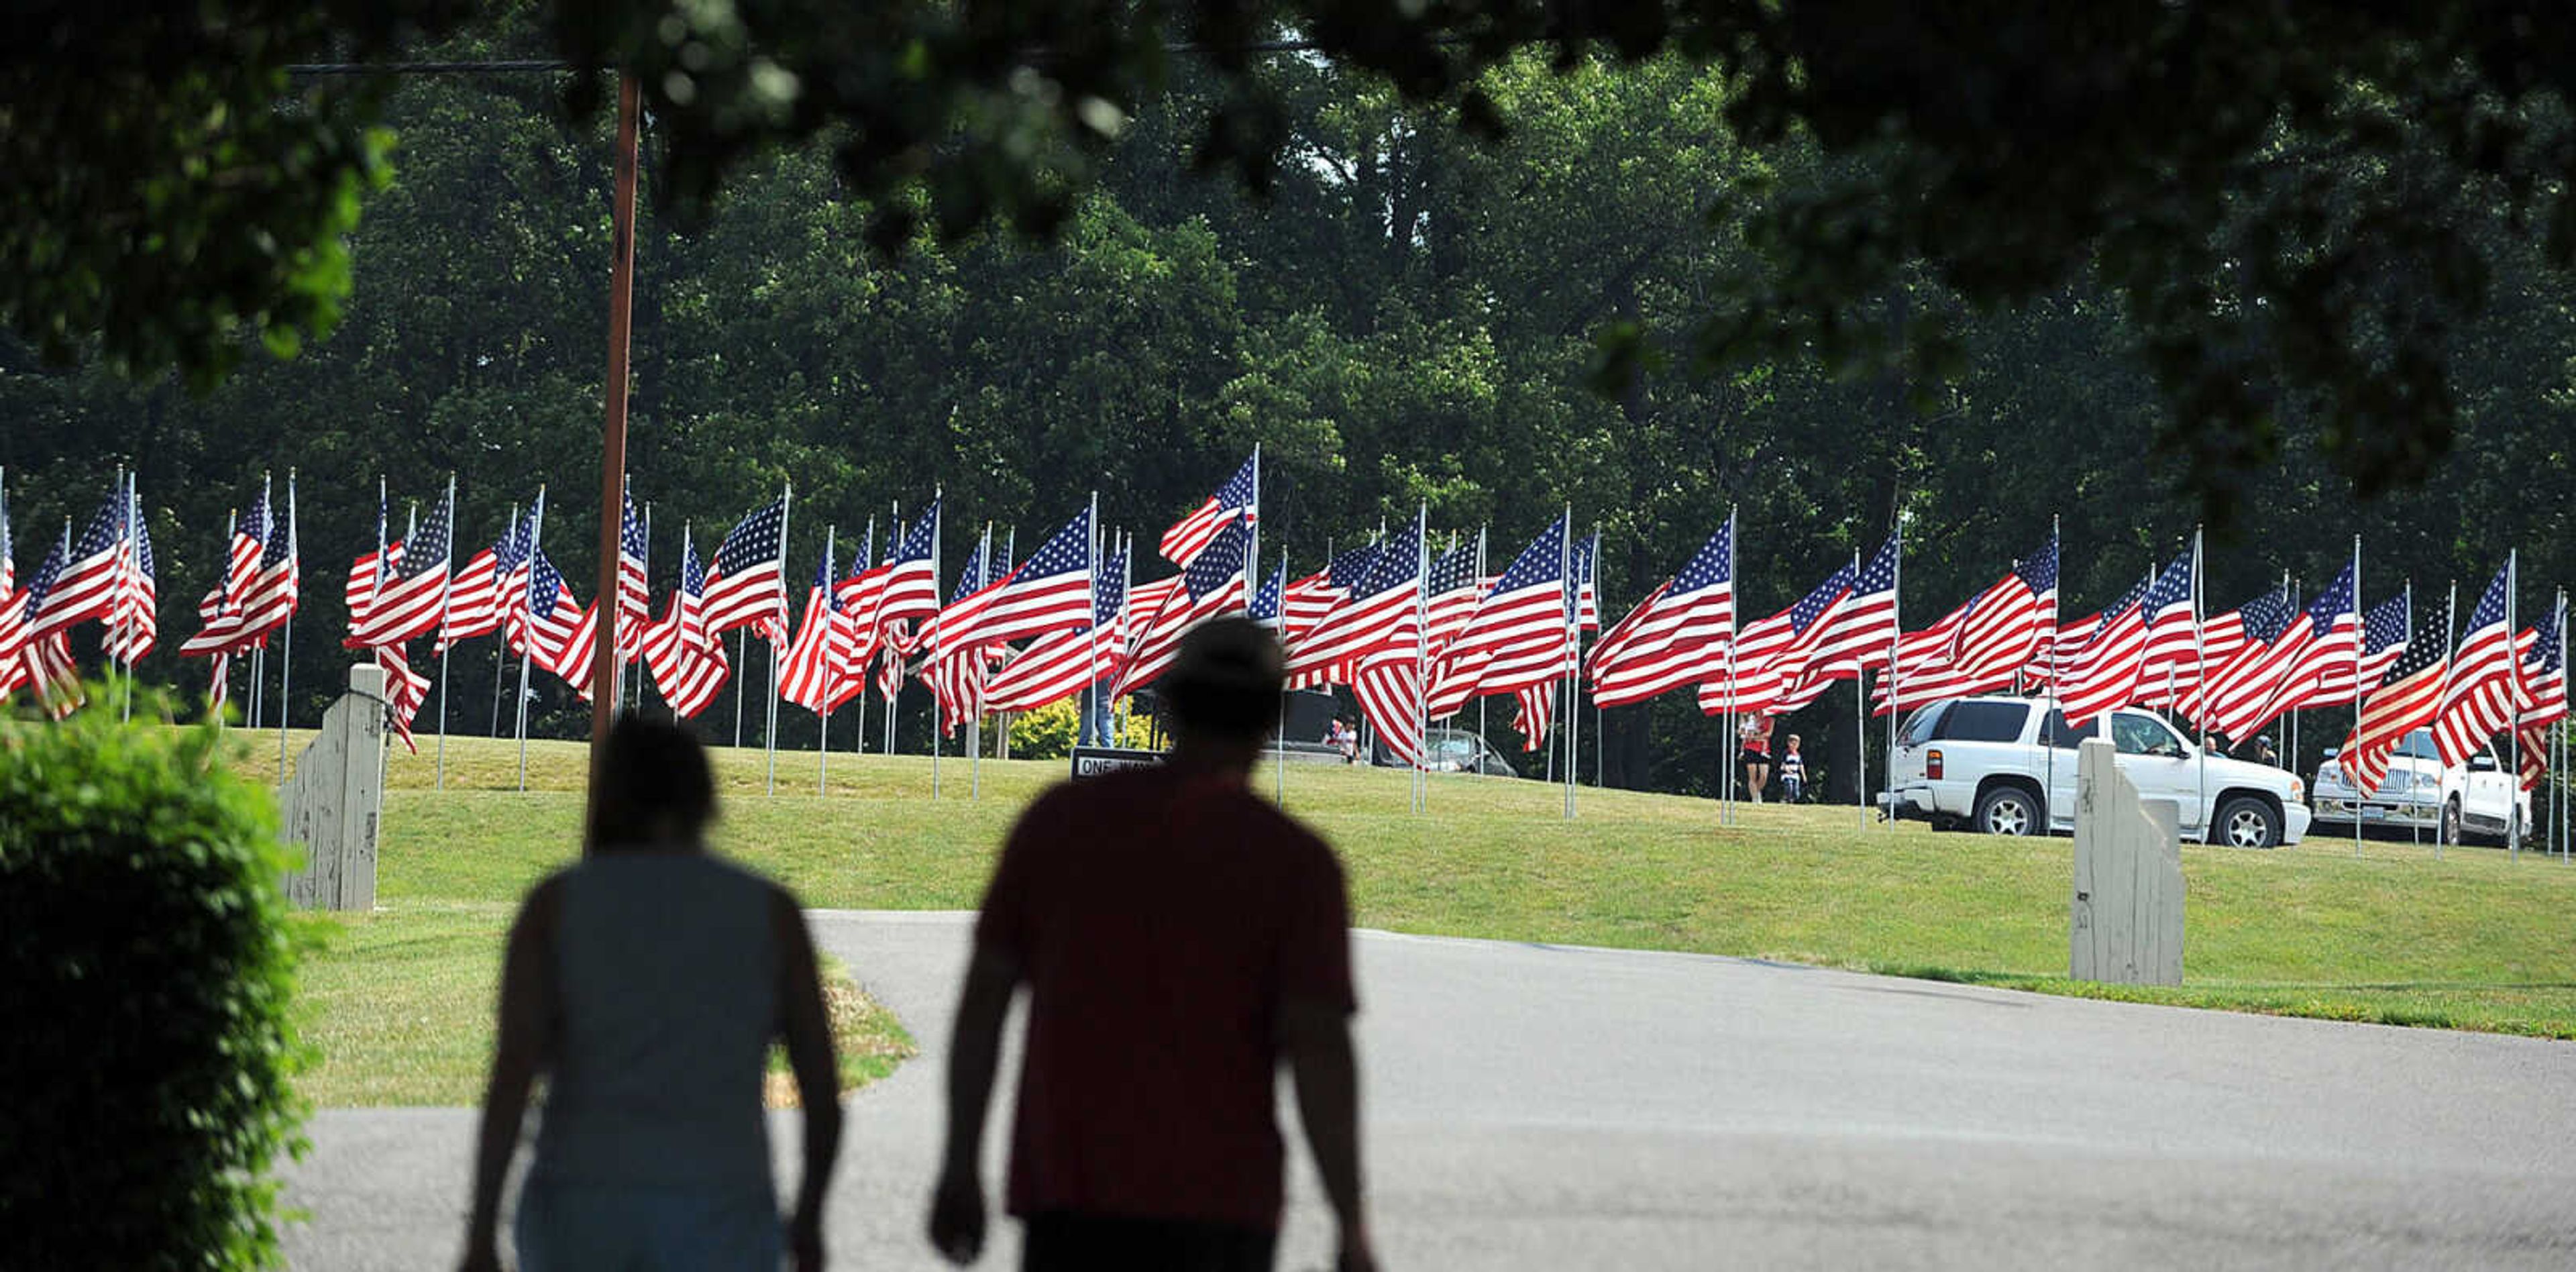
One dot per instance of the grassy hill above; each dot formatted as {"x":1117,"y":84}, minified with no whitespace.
{"x":2470,"y":941}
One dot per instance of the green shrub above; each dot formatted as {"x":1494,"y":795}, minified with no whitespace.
{"x":1046,"y":733}
{"x":146,"y":981}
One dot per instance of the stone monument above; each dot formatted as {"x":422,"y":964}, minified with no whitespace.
{"x":332,"y":804}
{"x":2127,"y":920}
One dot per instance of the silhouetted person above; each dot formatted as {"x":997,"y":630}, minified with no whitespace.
{"x":646,"y":983}
{"x":1179,"y":938}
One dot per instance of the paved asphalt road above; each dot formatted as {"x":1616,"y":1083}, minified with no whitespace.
{"x":1537,"y":1107}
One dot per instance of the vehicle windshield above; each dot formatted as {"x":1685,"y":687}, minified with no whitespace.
{"x":2137,"y":734}
{"x":2419,"y":746}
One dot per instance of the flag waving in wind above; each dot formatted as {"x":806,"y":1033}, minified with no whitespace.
{"x":1239,"y":497}
{"x":1678,"y":635}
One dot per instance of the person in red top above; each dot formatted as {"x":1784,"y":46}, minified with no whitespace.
{"x":1178,"y":938}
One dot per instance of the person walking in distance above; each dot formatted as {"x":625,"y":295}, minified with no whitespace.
{"x":1793,"y":771}
{"x":1754,"y":737}
{"x":645,"y":984}
{"x":1178,"y":938}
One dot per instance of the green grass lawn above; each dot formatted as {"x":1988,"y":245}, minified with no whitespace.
{"x":2469,"y":941}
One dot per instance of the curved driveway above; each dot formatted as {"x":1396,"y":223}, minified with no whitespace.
{"x":1537,"y":1107}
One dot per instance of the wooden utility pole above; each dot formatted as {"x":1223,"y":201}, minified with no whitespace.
{"x":612,"y":474}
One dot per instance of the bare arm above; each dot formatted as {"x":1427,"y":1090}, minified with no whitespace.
{"x":524,"y":1045}
{"x":808,"y":1029}
{"x":974,"y":1050}
{"x":1317,"y":1040}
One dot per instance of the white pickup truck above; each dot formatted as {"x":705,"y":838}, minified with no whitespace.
{"x":2423,"y":795}
{"x":1981,"y":763}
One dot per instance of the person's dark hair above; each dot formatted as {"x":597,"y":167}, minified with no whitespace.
{"x":649,"y":779}
{"x":1225,"y":681}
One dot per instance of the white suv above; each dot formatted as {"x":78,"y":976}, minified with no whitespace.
{"x":2424,"y":794}
{"x":1981,"y":763}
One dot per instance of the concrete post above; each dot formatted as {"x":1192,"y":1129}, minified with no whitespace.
{"x":2126,"y":923}
{"x":333,"y":803}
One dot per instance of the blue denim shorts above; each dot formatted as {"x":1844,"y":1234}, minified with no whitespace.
{"x":629,"y":1228}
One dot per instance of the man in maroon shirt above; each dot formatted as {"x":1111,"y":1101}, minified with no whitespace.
{"x":1179,"y":937}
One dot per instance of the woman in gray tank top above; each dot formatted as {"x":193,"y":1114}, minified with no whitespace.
{"x":646,"y":983}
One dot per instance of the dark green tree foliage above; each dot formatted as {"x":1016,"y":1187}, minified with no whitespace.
{"x":2288,"y":200}
{"x":146,"y":977}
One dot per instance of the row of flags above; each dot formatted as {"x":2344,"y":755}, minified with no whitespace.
{"x":1412,"y":624}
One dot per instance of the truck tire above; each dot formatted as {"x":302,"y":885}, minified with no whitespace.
{"x":2007,"y":810}
{"x":2449,"y":831}
{"x":2247,"y":822}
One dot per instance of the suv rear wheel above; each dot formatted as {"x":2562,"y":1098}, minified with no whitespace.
{"x":2247,"y":822}
{"x":2007,"y":810}
{"x":2450,"y":831}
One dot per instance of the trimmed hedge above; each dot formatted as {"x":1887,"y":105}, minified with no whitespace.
{"x":146,"y":983}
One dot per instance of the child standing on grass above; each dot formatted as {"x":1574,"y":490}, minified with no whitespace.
{"x":1793,"y":771}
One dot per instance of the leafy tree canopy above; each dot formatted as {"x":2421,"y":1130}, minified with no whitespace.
{"x":2295,"y":204}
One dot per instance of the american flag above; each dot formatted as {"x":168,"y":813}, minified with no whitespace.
{"x":911,"y":585}
{"x":13,"y":626}
{"x":1212,"y":586}
{"x":1770,"y":655}
{"x":634,"y":581}
{"x":2406,"y":701}
{"x":1382,"y":611}
{"x":1263,"y":608}
{"x":358,"y":592}
{"x":2171,"y":662}
{"x":1238,"y":497}
{"x":90,"y":575}
{"x":474,"y":597}
{"x":553,"y":617}
{"x":134,"y":621}
{"x":1518,"y":635}
{"x":688,"y":663}
{"x":861,"y":594}
{"x":1388,"y":683}
{"x":1533,"y":714}
{"x":1049,"y":591}
{"x":1350,"y":565}
{"x":2323,"y":673}
{"x":812,"y":670}
{"x":2479,"y":701}
{"x":1859,"y":634}
{"x":1064,"y":662}
{"x":219,"y":620}
{"x":1450,"y":597}
{"x":1988,"y":643}
{"x":2544,"y":675}
{"x":2104,"y":674}
{"x":1587,"y":573}
{"x":2383,"y":637}
{"x":410,"y":591}
{"x":1678,"y":635}
{"x":2241,"y":640}
{"x":405,"y":690}
{"x":747,"y":585}
{"x":953,"y":671}
{"x":2319,"y":636}
{"x":248,"y":543}
{"x":580,"y":653}
{"x":46,"y":660}
{"x":277,"y":587}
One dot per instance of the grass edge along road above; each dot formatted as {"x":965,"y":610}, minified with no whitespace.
{"x":2470,"y":941}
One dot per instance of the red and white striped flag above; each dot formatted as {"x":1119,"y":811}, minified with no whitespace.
{"x":1770,"y":654}
{"x":688,"y":663}
{"x":1519,"y":635}
{"x":1239,"y":497}
{"x":2408,"y":701}
{"x":2485,"y":675}
{"x":747,"y":584}
{"x":1678,"y":635}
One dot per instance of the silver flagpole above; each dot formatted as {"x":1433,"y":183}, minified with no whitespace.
{"x":500,"y":633}
{"x":823,"y":744}
{"x":1860,"y":732}
{"x":891,"y":654}
{"x":286,"y":629}
{"x":2450,"y":636}
{"x":975,"y":702}
{"x":2513,"y":657}
{"x":1565,"y":577}
{"x":1421,"y":655}
{"x":1480,"y":588}
{"x":446,"y":595}
{"x":528,"y":605}
{"x":2414,"y":825}
{"x":2360,"y":634}
{"x":938,"y":721}
{"x":134,"y":570}
{"x":769,"y":713}
{"x":1726,"y":714}
{"x":2048,"y":721}
{"x":2199,"y":677}
{"x":742,"y":677}
{"x":866,"y":549}
{"x":1279,"y":762}
{"x":1895,"y":676}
